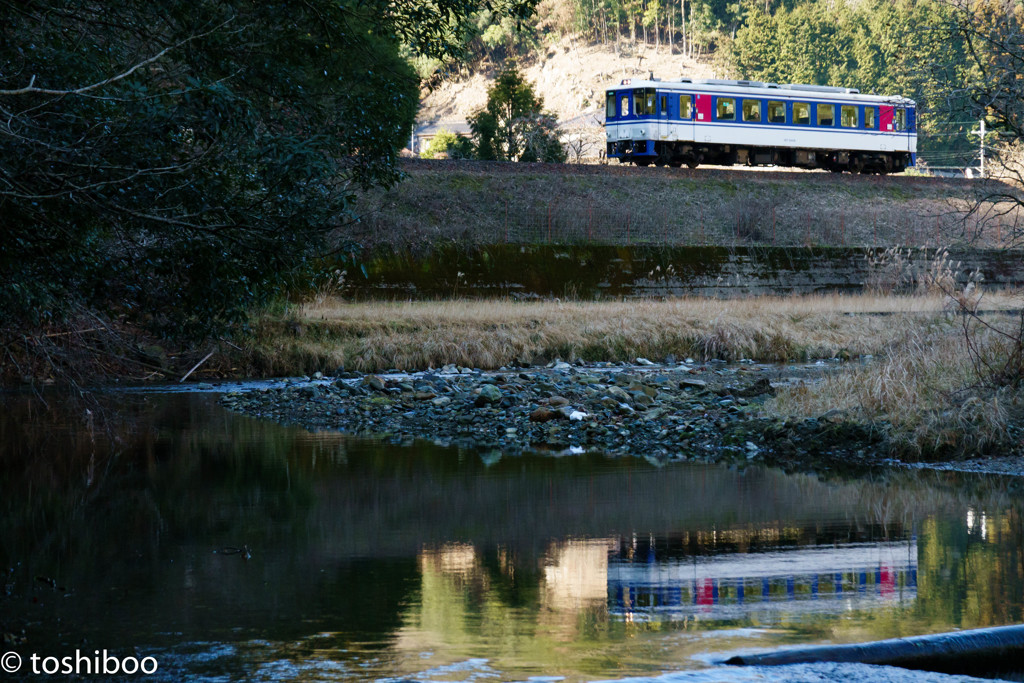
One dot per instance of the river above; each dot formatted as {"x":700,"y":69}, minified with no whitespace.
{"x":228,"y":548}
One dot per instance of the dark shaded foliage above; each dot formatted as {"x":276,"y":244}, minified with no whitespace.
{"x":179,"y":162}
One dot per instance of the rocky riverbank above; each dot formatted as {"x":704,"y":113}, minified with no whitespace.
{"x":675,"y":411}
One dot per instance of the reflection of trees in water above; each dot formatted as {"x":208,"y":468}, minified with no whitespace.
{"x":357,"y":520}
{"x":971,"y":574}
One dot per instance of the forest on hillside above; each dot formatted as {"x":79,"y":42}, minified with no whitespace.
{"x":914,"y":48}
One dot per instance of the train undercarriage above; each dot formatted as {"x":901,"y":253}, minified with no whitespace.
{"x":676,"y":154}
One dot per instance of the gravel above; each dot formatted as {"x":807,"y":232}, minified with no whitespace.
{"x":673,"y":411}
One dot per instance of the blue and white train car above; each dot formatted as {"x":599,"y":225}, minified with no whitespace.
{"x":721,"y":122}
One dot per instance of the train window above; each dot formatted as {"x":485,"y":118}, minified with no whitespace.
{"x":685,"y":106}
{"x":900,"y":120}
{"x":644,"y":102}
{"x":848,"y":116}
{"x":826,"y":114}
{"x":801,"y":113}
{"x":663,"y":104}
{"x":752,"y":110}
{"x":609,"y":112}
{"x":776,"y":112}
{"x":638,"y":103}
{"x":726,"y":109}
{"x":869,"y":117}
{"x":624,"y":106}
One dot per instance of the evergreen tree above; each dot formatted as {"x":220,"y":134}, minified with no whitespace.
{"x":513,"y":125}
{"x":756,"y":48}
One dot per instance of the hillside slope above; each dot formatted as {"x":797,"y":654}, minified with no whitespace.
{"x":571,"y":77}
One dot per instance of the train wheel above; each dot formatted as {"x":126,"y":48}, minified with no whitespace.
{"x":692,"y":163}
{"x":675,"y":164}
{"x":642,"y":162}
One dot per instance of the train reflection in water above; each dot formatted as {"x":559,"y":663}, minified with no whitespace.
{"x":769,"y":586}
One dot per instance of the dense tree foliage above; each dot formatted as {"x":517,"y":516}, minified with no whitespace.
{"x":513,"y":126}
{"x":179,"y":161}
{"x":892,"y":47}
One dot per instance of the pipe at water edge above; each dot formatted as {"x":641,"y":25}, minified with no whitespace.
{"x":1003,"y":645}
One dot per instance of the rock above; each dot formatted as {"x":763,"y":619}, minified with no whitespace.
{"x":761,"y":386}
{"x":441,"y":401}
{"x":638,"y":387}
{"x":310,"y":392}
{"x":558,"y":401}
{"x":424,"y":395}
{"x":543,"y":414}
{"x":619,"y":394}
{"x":643,"y":361}
{"x":570,"y":413}
{"x":833,"y":416}
{"x":373,"y":382}
{"x":490,"y":394}
{"x":693,"y":384}
{"x":642,"y":399}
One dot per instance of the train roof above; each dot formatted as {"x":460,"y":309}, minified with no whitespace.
{"x":759,"y":89}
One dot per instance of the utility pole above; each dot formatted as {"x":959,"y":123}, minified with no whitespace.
{"x":980,"y":132}
{"x":983,"y":149}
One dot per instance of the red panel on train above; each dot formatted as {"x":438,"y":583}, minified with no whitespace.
{"x":885,"y":117}
{"x":703,"y":107}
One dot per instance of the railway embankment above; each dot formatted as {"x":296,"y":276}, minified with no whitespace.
{"x":487,"y":203}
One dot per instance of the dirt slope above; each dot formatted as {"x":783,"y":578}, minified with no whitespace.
{"x":571,"y":77}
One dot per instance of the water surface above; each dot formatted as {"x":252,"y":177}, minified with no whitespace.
{"x":234,"y":549}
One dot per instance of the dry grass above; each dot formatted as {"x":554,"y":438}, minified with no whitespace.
{"x":924,"y":391}
{"x":488,"y":334}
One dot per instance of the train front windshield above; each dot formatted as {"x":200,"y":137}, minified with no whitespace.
{"x":644,"y":101}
